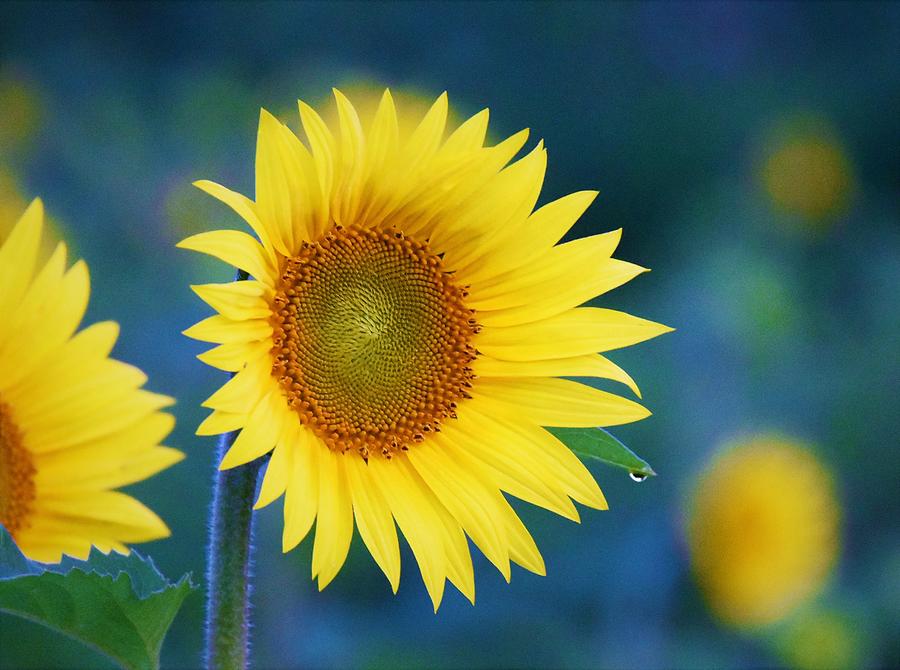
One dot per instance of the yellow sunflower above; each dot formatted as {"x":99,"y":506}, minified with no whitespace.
{"x":399,"y":347}
{"x":763,"y":530}
{"x":74,"y":423}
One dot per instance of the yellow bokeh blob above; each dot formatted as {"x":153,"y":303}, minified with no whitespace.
{"x":763,"y":530}
{"x":21,"y":107}
{"x":807,"y":174}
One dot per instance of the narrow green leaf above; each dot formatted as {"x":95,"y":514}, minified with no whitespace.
{"x":121,"y":606}
{"x":598,"y":444}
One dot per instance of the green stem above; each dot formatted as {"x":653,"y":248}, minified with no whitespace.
{"x":228,"y":575}
{"x":228,"y":560}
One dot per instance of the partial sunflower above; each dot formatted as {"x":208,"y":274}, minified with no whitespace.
{"x":400,"y":345}
{"x":74,"y":423}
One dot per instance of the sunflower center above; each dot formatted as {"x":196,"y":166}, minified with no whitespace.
{"x":16,"y":474}
{"x":371,"y":340}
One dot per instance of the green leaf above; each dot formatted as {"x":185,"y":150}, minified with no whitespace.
{"x":121,"y":606}
{"x":598,"y":444}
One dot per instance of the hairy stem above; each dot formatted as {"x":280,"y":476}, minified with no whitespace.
{"x":228,"y":560}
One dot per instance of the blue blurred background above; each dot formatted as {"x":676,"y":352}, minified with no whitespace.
{"x":750,"y":151}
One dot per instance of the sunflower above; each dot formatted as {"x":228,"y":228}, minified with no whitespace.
{"x":399,"y":347}
{"x":74,"y":423}
{"x":763,"y":530}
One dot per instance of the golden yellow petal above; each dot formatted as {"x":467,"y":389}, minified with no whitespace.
{"x":273,"y":191}
{"x":74,"y":474}
{"x":456,"y":548}
{"x":469,"y":136}
{"x":73,"y":361}
{"x":18,"y":254}
{"x":235,"y":300}
{"x":259,"y":434}
{"x":113,"y":418}
{"x":530,"y":443}
{"x":239,"y":392}
{"x":221,"y":330}
{"x":145,"y":433}
{"x":287,"y":190}
{"x":322,"y":145}
{"x":62,"y":298}
{"x":586,"y":252}
{"x":233,"y":356}
{"x":373,"y":518}
{"x":351,"y":163}
{"x":309,"y":210}
{"x":424,"y":141}
{"x":477,"y":439}
{"x":497,"y":213}
{"x":466,"y":497}
{"x":417,"y":520}
{"x":105,"y":383}
{"x":549,"y":401}
{"x":246,"y":209}
{"x":431,"y":210}
{"x":278,"y":471}
{"x":301,"y":497}
{"x":383,"y":137}
{"x":334,"y":524}
{"x":587,"y":365}
{"x":568,"y":276}
{"x":544,"y":228}
{"x":235,"y":248}
{"x":584,"y":330}
{"x":521,"y":546}
{"x":221,"y":422}
{"x":118,"y":514}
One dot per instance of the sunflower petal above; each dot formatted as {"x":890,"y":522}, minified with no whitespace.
{"x":221,"y":330}
{"x":334,"y":526}
{"x":584,"y":330}
{"x":235,"y":248}
{"x":235,"y":300}
{"x":18,"y":254}
{"x":373,"y":519}
{"x":587,"y":365}
{"x":465,"y":497}
{"x":528,"y":442}
{"x":548,"y":401}
{"x":243,"y":207}
{"x":516,"y":476}
{"x":278,"y":471}
{"x":545,"y":227}
{"x":417,"y":520}
{"x":257,"y":437}
{"x":301,"y":497}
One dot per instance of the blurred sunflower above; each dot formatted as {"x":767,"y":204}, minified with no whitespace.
{"x":763,"y":530}
{"x":400,"y":343}
{"x":807,"y":173}
{"x":74,"y":423}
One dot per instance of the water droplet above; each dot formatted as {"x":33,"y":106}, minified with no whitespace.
{"x":637,"y":476}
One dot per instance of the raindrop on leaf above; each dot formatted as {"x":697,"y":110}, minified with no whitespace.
{"x":637,"y":476}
